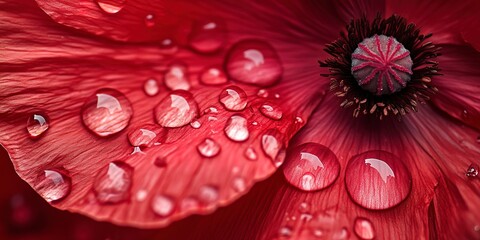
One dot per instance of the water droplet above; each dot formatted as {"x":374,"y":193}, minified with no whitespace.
{"x":271,"y":111}
{"x":208,"y":148}
{"x":146,"y":136}
{"x":251,"y":154}
{"x":363,"y":228}
{"x":207,"y":36}
{"x":37,"y":124}
{"x":377,"y":180}
{"x":113,"y":185}
{"x":317,"y":233}
{"x":298,"y":120}
{"x":53,"y":185}
{"x":176,"y":77}
{"x":236,"y":128}
{"x":211,"y":110}
{"x":141,"y":195}
{"x":254,"y":62}
{"x":195,"y":124}
{"x":211,"y":118}
{"x":255,"y":123}
{"x":167,"y":43}
{"x":311,"y":167}
{"x":277,"y":96}
{"x":239,"y":184}
{"x":285,"y":232}
{"x":272,"y":144}
{"x":162,"y":205}
{"x":263,"y":93}
{"x":208,"y":194}
{"x":189,"y":204}
{"x":106,"y":112}
{"x":176,"y":110}
{"x":304,"y":207}
{"x":213,"y":76}
{"x":233,"y":98}
{"x":342,"y":234}
{"x":150,"y":20}
{"x":472,"y":170}
{"x":111,"y":6}
{"x":151,"y":87}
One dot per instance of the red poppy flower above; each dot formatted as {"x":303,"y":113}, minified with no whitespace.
{"x":141,"y":113}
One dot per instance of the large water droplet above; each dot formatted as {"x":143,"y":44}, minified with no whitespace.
{"x":272,"y":144}
{"x":162,"y":205}
{"x":251,"y":154}
{"x":208,"y":194}
{"x":472,"y":170}
{"x":236,"y":128}
{"x":213,"y":76}
{"x":254,"y":62}
{"x":151,"y":87}
{"x":377,"y":180}
{"x":208,"y":148}
{"x":233,"y":98}
{"x":146,"y":136}
{"x":176,"y":110}
{"x":106,"y":112}
{"x":311,"y":167}
{"x":37,"y":124}
{"x":176,"y":77}
{"x":53,"y":185}
{"x":271,"y":111}
{"x":364,"y":228}
{"x":111,"y":6}
{"x":113,"y":185}
{"x":207,"y":36}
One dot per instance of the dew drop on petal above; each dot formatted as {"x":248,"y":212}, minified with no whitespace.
{"x":189,"y":204}
{"x":151,"y":87}
{"x":251,"y":154}
{"x":311,"y":167}
{"x":364,"y":228}
{"x":106,"y":112}
{"x":236,"y":128}
{"x":176,"y":77}
{"x":149,"y":20}
{"x":272,"y":144}
{"x":162,"y":205}
{"x":141,"y":195}
{"x":239,"y":184}
{"x":285,"y":232}
{"x":208,"y":148}
{"x":262,"y":93}
{"x":254,"y":62}
{"x":207,"y":36}
{"x":342,"y":234}
{"x":111,"y":6}
{"x":195,"y":124}
{"x":146,"y":136}
{"x":37,"y":124}
{"x":208,"y":194}
{"x":176,"y":110}
{"x":113,"y":185}
{"x":271,"y":111}
{"x":53,"y":185}
{"x":377,"y":180}
{"x":213,"y":76}
{"x":233,"y":98}
{"x":472,"y":170}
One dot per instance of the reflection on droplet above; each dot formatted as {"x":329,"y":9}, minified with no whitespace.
{"x":364,"y":228}
{"x":236,"y":128}
{"x":472,"y":170}
{"x":37,"y":124}
{"x":162,"y":205}
{"x":207,"y":36}
{"x":150,"y":20}
{"x":208,"y":194}
{"x":208,"y":148}
{"x":233,"y":98}
{"x":285,"y":232}
{"x":195,"y":124}
{"x":311,"y":167}
{"x":213,"y":76}
{"x":239,"y":184}
{"x":111,"y":6}
{"x":251,"y":154}
{"x":106,"y":112}
{"x":113,"y":185}
{"x":146,"y":136}
{"x":342,"y":234}
{"x":377,"y":180}
{"x":141,"y":195}
{"x":151,"y":87}
{"x":176,"y":77}
{"x":272,"y":144}
{"x":254,"y":62}
{"x":53,"y":185}
{"x":271,"y":111}
{"x":262,"y":93}
{"x":176,"y":110}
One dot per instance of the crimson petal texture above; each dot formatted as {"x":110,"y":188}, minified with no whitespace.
{"x":130,"y":133}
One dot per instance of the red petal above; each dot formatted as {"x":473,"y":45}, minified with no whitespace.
{"x":66,"y":85}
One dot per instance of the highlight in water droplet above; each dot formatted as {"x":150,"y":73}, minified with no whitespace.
{"x":176,"y":77}
{"x":162,"y":205}
{"x":236,"y":128}
{"x":208,"y":148}
{"x":151,"y":87}
{"x":233,"y":98}
{"x":113,"y":185}
{"x":111,"y":6}
{"x":37,"y":124}
{"x":472,"y":170}
{"x":150,"y":20}
{"x":272,"y":144}
{"x":213,"y":76}
{"x":147,"y":136}
{"x":271,"y":111}
{"x":53,"y":185}
{"x":208,"y":194}
{"x":176,"y":110}
{"x":364,"y":228}
{"x":251,"y":154}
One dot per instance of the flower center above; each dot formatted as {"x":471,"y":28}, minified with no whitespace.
{"x":381,"y":65}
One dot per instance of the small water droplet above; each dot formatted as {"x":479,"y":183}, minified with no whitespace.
{"x":141,"y":195}
{"x":317,"y":233}
{"x":37,"y":124}
{"x":298,"y":120}
{"x":208,"y":194}
{"x":162,"y":205}
{"x":146,"y":136}
{"x":213,"y":76}
{"x":271,"y":111}
{"x":111,"y":6}
{"x":151,"y":87}
{"x":113,"y":185}
{"x":254,"y":62}
{"x":195,"y":124}
{"x":150,"y":20}
{"x":176,"y":77}
{"x":263,"y":93}
{"x":233,"y":98}
{"x":277,"y":95}
{"x":53,"y":185}
{"x":176,"y":110}
{"x":211,"y":110}
{"x":208,"y":148}
{"x":106,"y":112}
{"x":236,"y":128}
{"x":285,"y":232}
{"x":167,"y":43}
{"x":211,"y":118}
{"x":311,"y":167}
{"x":342,"y":234}
{"x":189,"y":204}
{"x":472,"y":170}
{"x":272,"y":144}
{"x":239,"y":184}
{"x":207,"y":36}
{"x":255,"y":123}
{"x":304,"y":207}
{"x":377,"y":180}
{"x":364,"y":228}
{"x":251,"y":154}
